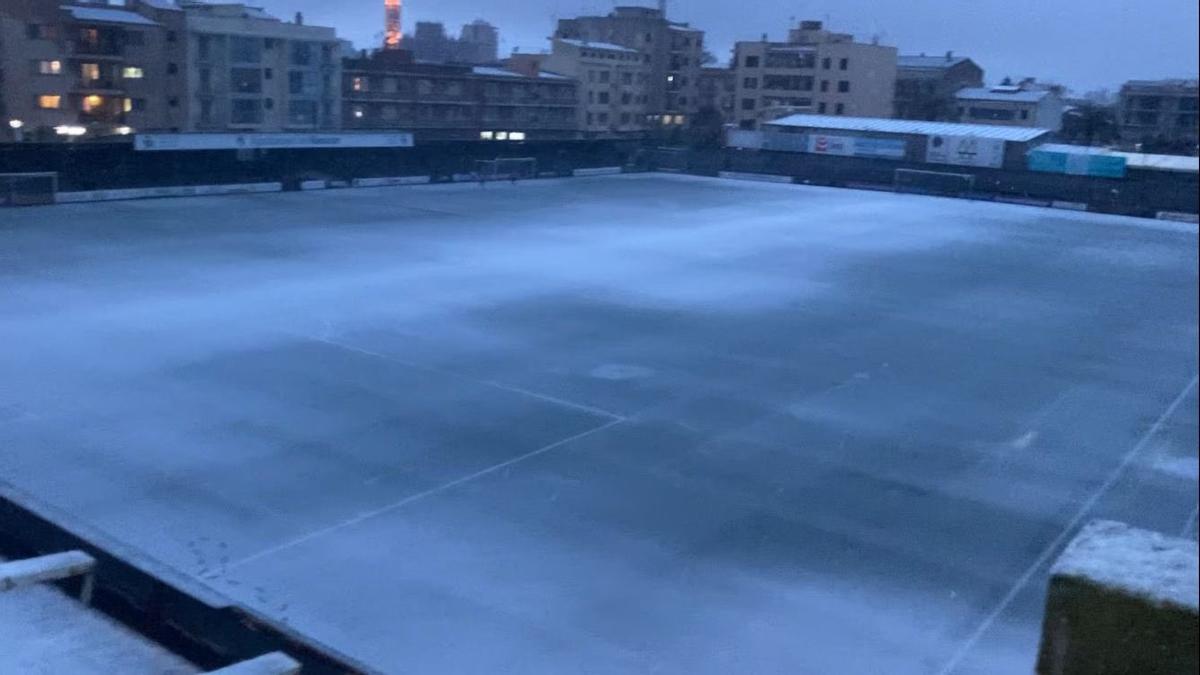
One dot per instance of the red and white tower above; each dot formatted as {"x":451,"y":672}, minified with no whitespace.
{"x":392,"y":28}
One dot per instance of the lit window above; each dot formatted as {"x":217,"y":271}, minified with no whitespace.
{"x":486,"y":135}
{"x":49,"y":67}
{"x":90,"y":72}
{"x":359,"y":84}
{"x":49,"y":102}
{"x":358,"y":112}
{"x":92,"y":103}
{"x":679,"y":119}
{"x":132,"y":73}
{"x":502,"y":135}
{"x":127,"y":105}
{"x":516,"y":135}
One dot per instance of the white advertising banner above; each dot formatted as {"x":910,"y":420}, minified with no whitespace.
{"x":965,"y":151}
{"x":822,"y":144}
{"x":154,"y":142}
{"x":856,"y":146}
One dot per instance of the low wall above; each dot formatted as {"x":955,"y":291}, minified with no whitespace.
{"x":158,"y":192}
{"x":1122,"y":600}
{"x":187,"y":618}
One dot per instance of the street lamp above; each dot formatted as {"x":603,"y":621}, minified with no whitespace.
{"x":16,"y":126}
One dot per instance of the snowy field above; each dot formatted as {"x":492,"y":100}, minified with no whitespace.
{"x":625,"y":424}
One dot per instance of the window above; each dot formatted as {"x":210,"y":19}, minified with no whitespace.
{"x":172,"y":68}
{"x":173,"y":102}
{"x":89,"y":72}
{"x":826,"y":63}
{"x":626,"y":78}
{"x":624,"y":118}
{"x":49,"y":102}
{"x":602,"y":118}
{"x":245,"y":50}
{"x":999,"y":114}
{"x":591,"y":76}
{"x":824,"y":85}
{"x":135,"y":38}
{"x":821,"y":108}
{"x":750,"y":82}
{"x":788,"y":82}
{"x":591,"y":97}
{"x":747,"y":104}
{"x":171,"y":36}
{"x":839,"y":109}
{"x":602,"y":97}
{"x":1024,"y":114}
{"x":91,"y":103}
{"x":49,"y":67}
{"x":36,"y":31}
{"x":626,"y":98}
{"x":604,"y":76}
{"x":357,"y":112}
{"x":302,"y":53}
{"x":305,"y":112}
{"x":305,"y":82}
{"x":591,"y":119}
{"x":133,"y":105}
{"x":844,"y":64}
{"x":359,"y":83}
{"x":132,"y":73}
{"x":245,"y":80}
{"x":206,"y":111}
{"x":203,"y":46}
{"x":205,"y":80}
{"x":843,"y":86}
{"x":246,"y":111}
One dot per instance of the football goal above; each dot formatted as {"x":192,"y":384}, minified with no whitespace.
{"x":28,"y":189}
{"x":506,"y":168}
{"x":934,"y":182}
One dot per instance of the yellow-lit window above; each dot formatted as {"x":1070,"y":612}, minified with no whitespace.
{"x":359,"y":84}
{"x":49,"y":67}
{"x":127,"y":105}
{"x":92,"y":103}
{"x":90,"y":72}
{"x":132,"y":73}
{"x":49,"y":102}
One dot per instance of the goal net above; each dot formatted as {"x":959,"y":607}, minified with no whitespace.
{"x":27,"y":189}
{"x":934,"y":182}
{"x":506,"y":168}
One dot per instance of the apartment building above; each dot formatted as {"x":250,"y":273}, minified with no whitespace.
{"x":478,"y":43}
{"x":613,"y":84}
{"x":250,"y":71}
{"x":389,"y":90}
{"x":815,"y":71}
{"x":1159,"y":114}
{"x":1026,"y":104}
{"x":674,"y":51}
{"x":88,"y":69}
{"x":926,"y":85}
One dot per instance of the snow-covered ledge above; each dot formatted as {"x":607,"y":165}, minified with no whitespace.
{"x":1122,"y":600}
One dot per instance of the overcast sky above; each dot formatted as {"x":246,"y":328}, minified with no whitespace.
{"x":1085,"y":44}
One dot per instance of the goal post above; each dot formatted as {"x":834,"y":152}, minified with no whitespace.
{"x":506,"y":168}
{"x":28,"y":189}
{"x":934,"y":182}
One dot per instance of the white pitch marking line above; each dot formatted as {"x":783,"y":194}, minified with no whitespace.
{"x":1054,"y":545}
{"x":449,"y":373}
{"x":1191,"y":522}
{"x":419,"y":496}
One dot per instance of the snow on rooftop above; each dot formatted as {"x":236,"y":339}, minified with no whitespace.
{"x":1133,"y":160}
{"x":105,"y":15}
{"x":1002,"y":93}
{"x":931,"y":62}
{"x":1145,"y":564}
{"x":894,"y":126}
{"x":492,"y":71}
{"x":162,"y":4}
{"x":595,"y":45}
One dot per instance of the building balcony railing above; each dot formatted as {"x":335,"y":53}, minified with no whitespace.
{"x":98,"y":87}
{"x":95,"y":50}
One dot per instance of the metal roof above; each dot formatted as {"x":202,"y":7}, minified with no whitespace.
{"x":596,"y":45}
{"x":491,"y":71}
{"x":105,"y":15}
{"x":998,"y":94}
{"x":930,"y":62}
{"x":891,"y":126}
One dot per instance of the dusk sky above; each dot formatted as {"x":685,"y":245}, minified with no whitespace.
{"x":1085,"y":44}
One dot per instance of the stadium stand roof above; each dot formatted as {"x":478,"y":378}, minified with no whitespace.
{"x":893,"y":126}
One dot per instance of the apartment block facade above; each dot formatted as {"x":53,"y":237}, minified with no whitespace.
{"x":613,"y":85}
{"x":1012,"y":105}
{"x":89,"y":68}
{"x":815,"y":71}
{"x":926,"y":85}
{"x":674,"y":52}
{"x":1159,"y":113}
{"x":249,"y":71}
{"x":389,"y":90}
{"x":718,"y":91}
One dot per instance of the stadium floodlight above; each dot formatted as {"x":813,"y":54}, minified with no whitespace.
{"x":70,"y":130}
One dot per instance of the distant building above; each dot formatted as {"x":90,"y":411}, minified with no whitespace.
{"x":815,"y":71}
{"x":674,"y":50}
{"x":93,"y":70}
{"x":925,"y":85}
{"x":718,"y":91}
{"x":388,"y":90}
{"x":613,"y":84}
{"x":478,"y":43}
{"x":1159,"y":114}
{"x":1015,"y":105}
{"x":250,"y":71}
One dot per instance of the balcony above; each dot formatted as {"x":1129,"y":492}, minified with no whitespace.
{"x":104,"y":50}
